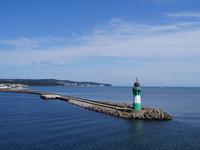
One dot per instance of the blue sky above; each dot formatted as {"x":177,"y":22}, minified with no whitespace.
{"x":111,"y":41}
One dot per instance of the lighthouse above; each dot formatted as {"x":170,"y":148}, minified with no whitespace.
{"x":137,"y":96}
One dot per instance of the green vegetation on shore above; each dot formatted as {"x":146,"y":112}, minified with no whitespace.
{"x":52,"y":82}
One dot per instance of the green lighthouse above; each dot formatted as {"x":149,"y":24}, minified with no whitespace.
{"x":137,"y":96}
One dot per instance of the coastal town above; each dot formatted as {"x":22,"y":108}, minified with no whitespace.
{"x":19,"y":83}
{"x":12,"y":86}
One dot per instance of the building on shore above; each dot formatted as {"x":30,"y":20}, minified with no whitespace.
{"x":3,"y":86}
{"x":12,"y":86}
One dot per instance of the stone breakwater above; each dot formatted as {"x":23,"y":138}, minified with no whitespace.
{"x":127,"y":113}
{"x":114,"y":109}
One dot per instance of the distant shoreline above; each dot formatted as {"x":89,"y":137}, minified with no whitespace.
{"x":52,"y":82}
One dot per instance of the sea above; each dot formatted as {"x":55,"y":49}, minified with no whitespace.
{"x":30,"y":123}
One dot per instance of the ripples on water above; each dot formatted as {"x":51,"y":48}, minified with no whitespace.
{"x":27,"y":122}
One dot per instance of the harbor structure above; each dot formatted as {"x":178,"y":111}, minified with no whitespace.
{"x":115,"y":109}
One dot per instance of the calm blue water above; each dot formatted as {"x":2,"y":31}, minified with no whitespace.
{"x":29,"y":123}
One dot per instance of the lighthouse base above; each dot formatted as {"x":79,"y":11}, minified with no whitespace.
{"x":137,"y":106}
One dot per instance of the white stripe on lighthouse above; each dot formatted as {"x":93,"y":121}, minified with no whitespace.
{"x":137,"y":99}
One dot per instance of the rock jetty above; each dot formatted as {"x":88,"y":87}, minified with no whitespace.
{"x":126,"y":112}
{"x":114,"y":109}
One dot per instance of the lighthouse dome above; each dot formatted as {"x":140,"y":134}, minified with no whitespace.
{"x":137,"y":83}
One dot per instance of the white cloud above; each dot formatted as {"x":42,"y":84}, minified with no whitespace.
{"x":118,"y":38}
{"x":32,"y":43}
{"x":194,"y":14}
{"x":173,"y":49}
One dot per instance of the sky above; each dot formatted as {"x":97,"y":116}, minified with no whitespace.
{"x":109,"y":41}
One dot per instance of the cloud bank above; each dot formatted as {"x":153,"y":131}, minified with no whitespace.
{"x":124,"y":49}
